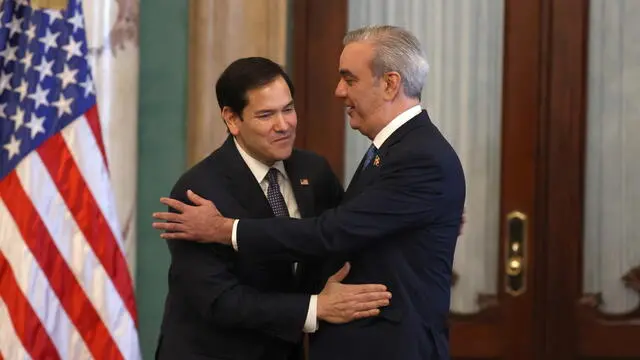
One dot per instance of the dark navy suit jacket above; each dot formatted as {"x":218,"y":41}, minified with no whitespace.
{"x":227,"y":305}
{"x":398,"y":225}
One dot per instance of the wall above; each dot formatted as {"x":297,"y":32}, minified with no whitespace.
{"x":161,"y":148}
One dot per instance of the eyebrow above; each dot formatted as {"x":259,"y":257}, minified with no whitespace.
{"x":345,"y":72}
{"x":262,"y":111}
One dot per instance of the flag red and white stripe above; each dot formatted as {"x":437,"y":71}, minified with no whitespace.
{"x":65,"y":284}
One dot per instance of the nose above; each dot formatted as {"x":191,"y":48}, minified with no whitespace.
{"x":280,"y":123}
{"x":341,"y":90}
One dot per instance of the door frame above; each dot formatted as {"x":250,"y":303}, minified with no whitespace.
{"x":318,"y":29}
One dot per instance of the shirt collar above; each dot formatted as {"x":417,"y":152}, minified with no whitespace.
{"x":257,"y":167}
{"x":392,"y":126}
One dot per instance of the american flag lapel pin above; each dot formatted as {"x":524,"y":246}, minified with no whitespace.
{"x":304,"y":181}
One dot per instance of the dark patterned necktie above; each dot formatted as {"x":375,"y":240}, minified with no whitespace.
{"x":274,"y":196}
{"x":371,"y":152}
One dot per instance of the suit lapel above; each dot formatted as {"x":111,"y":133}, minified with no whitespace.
{"x":354,"y":179}
{"x":417,"y":121}
{"x":300,"y":183}
{"x":362,"y":178}
{"x":242,"y":184}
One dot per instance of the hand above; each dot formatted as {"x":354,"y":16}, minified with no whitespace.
{"x":340,"y":303}
{"x":202,"y":222}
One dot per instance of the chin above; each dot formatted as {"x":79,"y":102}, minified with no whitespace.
{"x":354,"y":122}
{"x":283,"y":154}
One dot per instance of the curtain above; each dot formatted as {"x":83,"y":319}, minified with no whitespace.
{"x":612,"y":176}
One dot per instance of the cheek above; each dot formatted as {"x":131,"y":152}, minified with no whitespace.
{"x":292,"y":120}
{"x":259,"y":137}
{"x":358,"y":97}
{"x":362,"y":103}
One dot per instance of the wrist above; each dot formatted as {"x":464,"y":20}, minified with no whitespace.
{"x":221,"y":231}
{"x":320,"y":309}
{"x":227,"y":227}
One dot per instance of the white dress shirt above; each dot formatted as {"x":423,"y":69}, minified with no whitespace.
{"x":259,"y":170}
{"x":392,"y":126}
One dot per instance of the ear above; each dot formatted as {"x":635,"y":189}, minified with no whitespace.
{"x":392,"y":84}
{"x":232,"y":120}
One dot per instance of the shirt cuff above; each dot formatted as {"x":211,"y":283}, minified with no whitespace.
{"x":311,"y":323}
{"x":234,"y":239}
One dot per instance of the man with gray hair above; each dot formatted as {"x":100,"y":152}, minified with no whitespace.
{"x":398,"y":222}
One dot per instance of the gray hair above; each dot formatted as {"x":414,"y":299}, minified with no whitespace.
{"x":395,"y":49}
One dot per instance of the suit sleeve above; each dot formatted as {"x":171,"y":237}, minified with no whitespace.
{"x":408,"y":194}
{"x":204,"y":275}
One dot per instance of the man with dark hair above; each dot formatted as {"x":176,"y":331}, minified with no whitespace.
{"x":223,"y":304}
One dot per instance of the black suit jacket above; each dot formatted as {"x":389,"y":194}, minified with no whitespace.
{"x":227,"y":305}
{"x":398,"y":225}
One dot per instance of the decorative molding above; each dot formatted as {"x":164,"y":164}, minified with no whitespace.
{"x":487,"y":301}
{"x":632,"y":279}
{"x":488,"y":305}
{"x":592,"y":302}
{"x":125,"y":29}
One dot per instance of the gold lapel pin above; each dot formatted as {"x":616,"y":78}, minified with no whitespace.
{"x":376,"y":161}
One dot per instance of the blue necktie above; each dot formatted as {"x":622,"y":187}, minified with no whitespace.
{"x":371,"y":152}
{"x":274,"y":196}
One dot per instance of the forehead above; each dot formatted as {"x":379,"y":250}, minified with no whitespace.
{"x":356,"y":55}
{"x":276,"y":93}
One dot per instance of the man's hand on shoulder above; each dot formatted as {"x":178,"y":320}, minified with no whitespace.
{"x":201,"y":222}
{"x":341,"y":303}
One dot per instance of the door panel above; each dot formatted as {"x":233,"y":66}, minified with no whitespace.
{"x":610,"y":301}
{"x":506,"y":327}
{"x":609,"y":308}
{"x":593,"y":201}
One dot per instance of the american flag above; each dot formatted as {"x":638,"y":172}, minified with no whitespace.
{"x":65,"y":288}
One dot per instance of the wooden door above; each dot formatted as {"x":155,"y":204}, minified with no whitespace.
{"x":509,"y":324}
{"x":593,"y":122}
